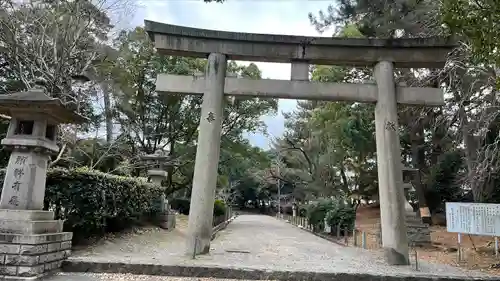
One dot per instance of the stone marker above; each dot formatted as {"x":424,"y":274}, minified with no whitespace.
{"x":300,"y":51}
{"x":157,"y":174}
{"x":328,"y":227}
{"x":31,"y":241}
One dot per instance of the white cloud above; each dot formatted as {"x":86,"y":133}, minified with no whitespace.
{"x":271,"y":17}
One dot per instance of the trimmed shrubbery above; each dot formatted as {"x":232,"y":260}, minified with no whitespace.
{"x":219,"y":208}
{"x":341,"y":215}
{"x":93,"y":203}
{"x":336,"y":212}
{"x":316,"y":212}
{"x":182,"y":205}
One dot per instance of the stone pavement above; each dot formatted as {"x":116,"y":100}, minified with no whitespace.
{"x":254,"y":246}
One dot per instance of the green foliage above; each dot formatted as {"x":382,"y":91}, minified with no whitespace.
{"x":303,"y":210}
{"x":243,"y":164}
{"x":341,"y":214}
{"x":92,"y":203}
{"x":479,"y":22}
{"x":444,"y":186}
{"x":335,"y":211}
{"x":376,"y":18}
{"x":151,"y":121}
{"x":50,"y":41}
{"x":316,"y":212}
{"x":219,"y":208}
{"x":181,"y":205}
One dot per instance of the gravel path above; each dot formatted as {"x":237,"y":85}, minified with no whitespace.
{"x":263,"y":242}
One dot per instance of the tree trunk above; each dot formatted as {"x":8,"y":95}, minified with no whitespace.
{"x":438,"y":133}
{"x":107,"y":111}
{"x":417,"y":139}
{"x":470,"y":154}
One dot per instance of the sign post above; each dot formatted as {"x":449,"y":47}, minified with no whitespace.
{"x":473,"y":218}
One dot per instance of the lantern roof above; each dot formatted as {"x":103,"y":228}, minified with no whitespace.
{"x":35,"y":101}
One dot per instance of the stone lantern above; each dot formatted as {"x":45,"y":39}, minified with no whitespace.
{"x":33,"y":241}
{"x":418,"y":232}
{"x":157,"y":174}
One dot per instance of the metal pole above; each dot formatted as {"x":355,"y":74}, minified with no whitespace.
{"x":496,"y":246}
{"x":279,"y":188}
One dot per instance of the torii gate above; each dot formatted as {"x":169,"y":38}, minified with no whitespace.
{"x":300,"y":51}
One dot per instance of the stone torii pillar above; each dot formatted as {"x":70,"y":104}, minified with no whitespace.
{"x":391,"y":195}
{"x":207,"y":157}
{"x":33,"y":242}
{"x":300,"y":51}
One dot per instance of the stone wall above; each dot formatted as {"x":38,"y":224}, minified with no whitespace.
{"x":32,"y":255}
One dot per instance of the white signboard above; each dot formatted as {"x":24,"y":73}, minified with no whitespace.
{"x":473,"y":218}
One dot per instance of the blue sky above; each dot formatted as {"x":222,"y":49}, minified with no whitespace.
{"x":257,"y":16}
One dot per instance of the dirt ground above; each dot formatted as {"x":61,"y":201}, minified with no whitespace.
{"x":478,"y":251}
{"x":180,"y":228}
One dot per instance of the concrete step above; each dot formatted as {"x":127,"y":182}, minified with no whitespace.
{"x":71,"y":266}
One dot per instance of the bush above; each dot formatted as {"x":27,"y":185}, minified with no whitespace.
{"x":219,"y":208}
{"x":181,"y":205}
{"x":303,"y":210}
{"x":316,"y":213}
{"x":341,"y":214}
{"x":335,"y":211}
{"x":93,"y":203}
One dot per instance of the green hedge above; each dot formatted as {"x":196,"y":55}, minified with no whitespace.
{"x":93,"y":203}
{"x":183,"y":205}
{"x":316,"y":213}
{"x":335,"y":211}
{"x":219,"y":208}
{"x":341,"y":214}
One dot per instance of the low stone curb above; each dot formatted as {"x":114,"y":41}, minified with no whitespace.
{"x":220,"y":227}
{"x":248,"y":274}
{"x":326,"y":237}
{"x":321,"y":235}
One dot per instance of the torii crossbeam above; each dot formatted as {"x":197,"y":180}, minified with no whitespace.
{"x":300,"y":90}
{"x":300,"y":51}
